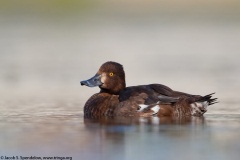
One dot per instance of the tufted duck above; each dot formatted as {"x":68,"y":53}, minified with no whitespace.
{"x":115,"y":99}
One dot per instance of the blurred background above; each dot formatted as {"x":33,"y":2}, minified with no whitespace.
{"x":48,"y":46}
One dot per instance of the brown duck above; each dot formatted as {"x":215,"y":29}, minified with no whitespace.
{"x":115,"y":99}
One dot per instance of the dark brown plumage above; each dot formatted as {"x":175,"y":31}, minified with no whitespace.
{"x":115,"y":99}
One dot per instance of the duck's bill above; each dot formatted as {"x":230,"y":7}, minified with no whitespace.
{"x":92,"y":82}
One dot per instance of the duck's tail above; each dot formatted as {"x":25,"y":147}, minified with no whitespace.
{"x":208,"y":98}
{"x":199,"y":107}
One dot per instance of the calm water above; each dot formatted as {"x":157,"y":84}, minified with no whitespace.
{"x":69,"y":135}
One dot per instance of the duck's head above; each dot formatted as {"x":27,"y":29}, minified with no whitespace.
{"x":110,"y":78}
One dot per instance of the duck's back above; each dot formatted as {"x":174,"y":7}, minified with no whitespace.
{"x":155,"y":93}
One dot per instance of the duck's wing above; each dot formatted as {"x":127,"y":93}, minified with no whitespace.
{"x":154,"y":93}
{"x":148,"y":99}
{"x":167,"y":99}
{"x":145,"y":100}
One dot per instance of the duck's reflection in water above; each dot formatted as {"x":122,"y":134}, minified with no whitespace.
{"x":121,"y":136}
{"x":126,"y":125}
{"x":144,"y":120}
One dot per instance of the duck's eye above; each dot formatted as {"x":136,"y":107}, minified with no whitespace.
{"x":111,"y":74}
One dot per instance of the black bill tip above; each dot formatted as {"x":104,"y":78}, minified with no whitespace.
{"x":83,"y":83}
{"x":92,"y":82}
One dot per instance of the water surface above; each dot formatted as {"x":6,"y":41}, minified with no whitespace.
{"x":214,"y":136}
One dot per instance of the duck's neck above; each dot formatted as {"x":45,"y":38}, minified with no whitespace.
{"x":114,"y":90}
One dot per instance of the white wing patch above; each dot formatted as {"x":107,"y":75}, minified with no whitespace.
{"x":142,"y":107}
{"x":155,"y":109}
